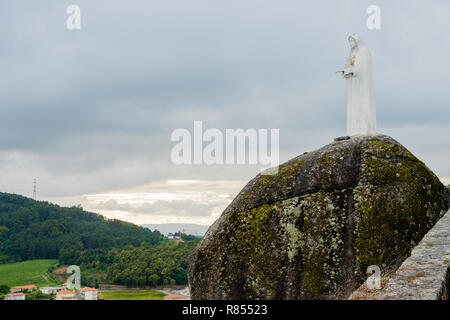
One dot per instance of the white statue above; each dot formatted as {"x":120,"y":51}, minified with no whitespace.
{"x":361,"y":118}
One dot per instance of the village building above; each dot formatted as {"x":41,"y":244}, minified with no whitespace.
{"x":66,"y":295}
{"x":61,"y":292}
{"x":15,"y":296}
{"x":27,"y":288}
{"x":173,"y":236}
{"x":53,"y":290}
{"x":173,"y":297}
{"x":88,"y":293}
{"x":176,"y":297}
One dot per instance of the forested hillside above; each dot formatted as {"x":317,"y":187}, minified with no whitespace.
{"x":152,"y":265}
{"x":32,"y":229}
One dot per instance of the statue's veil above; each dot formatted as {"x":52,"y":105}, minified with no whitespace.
{"x":359,"y":41}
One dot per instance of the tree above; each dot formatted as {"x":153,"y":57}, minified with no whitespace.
{"x":4,"y":289}
{"x":188,"y":237}
{"x":181,"y":276}
{"x":153,"y":279}
{"x":153,"y":265}
{"x":32,"y":229}
{"x":37,"y":295}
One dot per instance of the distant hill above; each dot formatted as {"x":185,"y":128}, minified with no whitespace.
{"x":32,"y":229}
{"x":194,"y":229}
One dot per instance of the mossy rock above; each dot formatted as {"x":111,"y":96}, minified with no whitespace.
{"x":311,"y":230}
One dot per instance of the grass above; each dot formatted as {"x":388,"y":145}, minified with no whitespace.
{"x":133,"y":295}
{"x":27,"y":272}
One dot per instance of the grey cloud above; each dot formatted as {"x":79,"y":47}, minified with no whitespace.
{"x":92,"y":110}
{"x":161,"y":207}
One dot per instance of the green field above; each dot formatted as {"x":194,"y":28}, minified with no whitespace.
{"x":27,"y":272}
{"x":133,"y":295}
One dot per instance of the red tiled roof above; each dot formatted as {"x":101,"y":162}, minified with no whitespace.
{"x":30,"y":286}
{"x":87,"y":289}
{"x":16,"y":294}
{"x":173,"y":296}
{"x":65,"y":291}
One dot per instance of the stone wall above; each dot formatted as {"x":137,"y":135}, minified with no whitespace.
{"x":425,"y":275}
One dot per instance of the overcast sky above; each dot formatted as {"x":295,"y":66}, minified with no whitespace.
{"x":89,"y":112}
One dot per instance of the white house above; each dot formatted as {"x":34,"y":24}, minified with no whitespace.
{"x":88,"y":293}
{"x":15,"y":296}
{"x":172,"y":236}
{"x":66,"y":295}
{"x":50,"y":290}
{"x":53,"y":290}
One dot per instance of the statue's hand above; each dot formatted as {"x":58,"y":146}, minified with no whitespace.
{"x":348,"y":75}
{"x":348,"y":72}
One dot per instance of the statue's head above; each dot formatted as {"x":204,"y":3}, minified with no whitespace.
{"x":355,"y":40}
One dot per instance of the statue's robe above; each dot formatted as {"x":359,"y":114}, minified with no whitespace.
{"x":361,"y":117}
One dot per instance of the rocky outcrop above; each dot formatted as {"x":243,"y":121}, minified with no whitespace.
{"x":311,"y":230}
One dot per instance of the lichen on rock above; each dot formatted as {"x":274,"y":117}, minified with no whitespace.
{"x":311,"y":230}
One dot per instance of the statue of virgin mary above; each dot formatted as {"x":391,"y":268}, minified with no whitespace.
{"x":361,"y":118}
